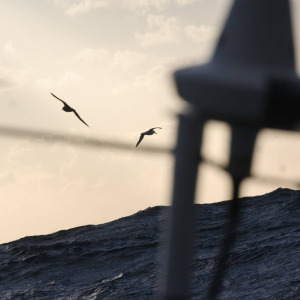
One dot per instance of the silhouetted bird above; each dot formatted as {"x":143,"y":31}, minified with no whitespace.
{"x":149,"y":132}
{"x":68,"y":108}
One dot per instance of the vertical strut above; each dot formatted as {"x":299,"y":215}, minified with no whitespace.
{"x":182,"y":211}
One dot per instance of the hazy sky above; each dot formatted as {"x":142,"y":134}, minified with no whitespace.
{"x":112,"y":60}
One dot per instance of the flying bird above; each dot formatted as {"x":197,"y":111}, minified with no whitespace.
{"x":149,"y":132}
{"x":68,"y":108}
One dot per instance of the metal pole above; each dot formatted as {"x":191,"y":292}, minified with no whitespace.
{"x":182,"y":217}
{"x":241,"y":155}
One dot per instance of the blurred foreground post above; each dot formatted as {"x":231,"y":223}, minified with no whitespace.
{"x":250,"y":83}
{"x":186,"y":168}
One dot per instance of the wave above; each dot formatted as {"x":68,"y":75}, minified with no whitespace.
{"x":121,"y":259}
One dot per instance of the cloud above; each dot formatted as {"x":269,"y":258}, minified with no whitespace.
{"x":19,"y":149}
{"x":79,"y":7}
{"x":143,"y":6}
{"x":90,"y":55}
{"x":171,"y":30}
{"x":46,"y":83}
{"x":122,"y":60}
{"x":12,"y":71}
{"x":200,"y":33}
{"x":186,"y":2}
{"x":67,"y":78}
{"x":127,"y":59}
{"x":13,"y":77}
{"x":162,"y":30}
{"x":8,"y":48}
{"x":151,"y":79}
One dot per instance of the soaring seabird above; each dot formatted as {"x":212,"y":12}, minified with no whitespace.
{"x":68,"y":108}
{"x":149,"y":132}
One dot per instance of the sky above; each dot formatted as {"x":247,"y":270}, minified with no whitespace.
{"x":112,"y":60}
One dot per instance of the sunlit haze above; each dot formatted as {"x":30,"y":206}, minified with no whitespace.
{"x":111,"y":60}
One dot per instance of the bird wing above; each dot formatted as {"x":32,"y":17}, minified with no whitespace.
{"x":155,"y":128}
{"x":59,"y":99}
{"x":75,"y":112}
{"x":141,"y":138}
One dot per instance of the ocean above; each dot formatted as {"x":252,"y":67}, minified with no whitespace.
{"x":121,"y":259}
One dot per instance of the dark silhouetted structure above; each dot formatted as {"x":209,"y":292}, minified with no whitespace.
{"x":250,"y":83}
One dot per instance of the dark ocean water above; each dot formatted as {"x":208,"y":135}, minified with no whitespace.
{"x":120,"y":259}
